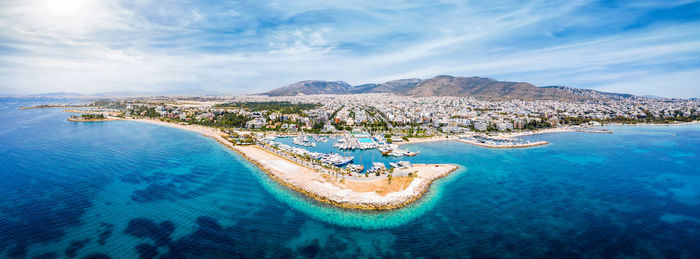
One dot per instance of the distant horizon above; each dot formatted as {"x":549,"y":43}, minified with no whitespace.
{"x":96,"y":46}
{"x":224,"y":93}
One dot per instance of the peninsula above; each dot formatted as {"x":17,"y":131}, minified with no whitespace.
{"x":381,"y":193}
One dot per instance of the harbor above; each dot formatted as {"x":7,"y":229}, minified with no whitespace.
{"x":363,"y":159}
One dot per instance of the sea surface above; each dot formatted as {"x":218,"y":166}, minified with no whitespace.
{"x":122,"y":189}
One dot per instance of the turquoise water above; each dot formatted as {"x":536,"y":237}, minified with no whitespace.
{"x":365,"y":140}
{"x":125,"y":189}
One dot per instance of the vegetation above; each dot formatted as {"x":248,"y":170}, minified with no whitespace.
{"x":336,"y":112}
{"x":574,"y":120}
{"x":377,"y":125}
{"x":537,"y":124}
{"x":146,"y":112}
{"x":281,"y":107}
{"x":225,"y":120}
{"x":651,"y":119}
{"x":92,"y":116}
{"x":677,"y":116}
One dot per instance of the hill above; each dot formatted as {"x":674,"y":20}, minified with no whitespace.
{"x":312,"y":87}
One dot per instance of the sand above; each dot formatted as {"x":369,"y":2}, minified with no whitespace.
{"x":423,"y":140}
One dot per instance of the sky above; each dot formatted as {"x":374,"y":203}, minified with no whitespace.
{"x":242,"y":47}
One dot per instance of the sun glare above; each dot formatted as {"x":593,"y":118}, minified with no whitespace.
{"x":66,"y":7}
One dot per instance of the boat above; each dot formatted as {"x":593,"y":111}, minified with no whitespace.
{"x":355,"y":168}
{"x":343,"y":161}
{"x":336,"y":160}
{"x":404,"y":164}
{"x":378,"y":165}
{"x":394,"y":165}
{"x":303,"y":140}
{"x":397,"y":153}
{"x":385,"y":150}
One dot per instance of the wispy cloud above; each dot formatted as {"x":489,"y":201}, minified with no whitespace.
{"x":649,"y":47}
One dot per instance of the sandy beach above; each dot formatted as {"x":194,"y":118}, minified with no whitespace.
{"x":376,"y":194}
{"x":423,"y":140}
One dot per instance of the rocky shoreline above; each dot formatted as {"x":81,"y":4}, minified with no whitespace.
{"x":533,"y":144}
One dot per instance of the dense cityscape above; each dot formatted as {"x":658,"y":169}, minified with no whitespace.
{"x":401,"y":114}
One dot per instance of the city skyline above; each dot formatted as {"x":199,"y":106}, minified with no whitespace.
{"x":642,"y":48}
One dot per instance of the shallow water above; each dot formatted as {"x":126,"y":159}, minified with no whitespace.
{"x":124,"y":189}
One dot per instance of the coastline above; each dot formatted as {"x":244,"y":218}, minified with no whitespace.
{"x":654,"y":124}
{"x":93,"y":120}
{"x":344,"y":193}
{"x":423,"y":140}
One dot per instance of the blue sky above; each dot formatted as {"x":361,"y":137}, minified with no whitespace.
{"x":238,"y":47}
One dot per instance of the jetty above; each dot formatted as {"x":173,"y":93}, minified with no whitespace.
{"x":491,"y":142}
{"x":595,"y":131}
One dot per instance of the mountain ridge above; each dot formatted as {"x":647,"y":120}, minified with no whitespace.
{"x":446,"y":85}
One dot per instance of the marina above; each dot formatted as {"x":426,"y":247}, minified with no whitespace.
{"x":355,"y":160}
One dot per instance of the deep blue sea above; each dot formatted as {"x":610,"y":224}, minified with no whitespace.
{"x":124,"y":189}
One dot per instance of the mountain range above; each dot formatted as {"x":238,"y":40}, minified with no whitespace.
{"x":444,"y":85}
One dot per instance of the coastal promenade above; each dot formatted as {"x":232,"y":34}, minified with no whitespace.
{"x":378,"y":194}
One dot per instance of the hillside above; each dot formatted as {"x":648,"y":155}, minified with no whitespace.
{"x":488,"y":89}
{"x":590,"y":93}
{"x":397,"y":86}
{"x":311,"y":87}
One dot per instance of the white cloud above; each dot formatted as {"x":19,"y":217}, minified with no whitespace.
{"x":98,"y":46}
